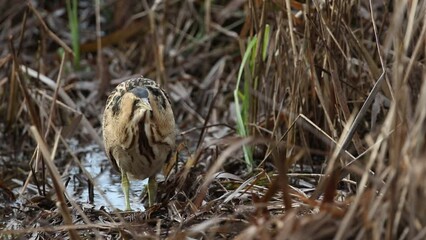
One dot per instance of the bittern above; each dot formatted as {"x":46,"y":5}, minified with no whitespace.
{"x":139,"y":132}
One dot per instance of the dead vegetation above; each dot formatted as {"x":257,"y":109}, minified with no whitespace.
{"x":298,"y":119}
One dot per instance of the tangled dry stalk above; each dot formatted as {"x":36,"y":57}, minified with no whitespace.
{"x":330,"y":96}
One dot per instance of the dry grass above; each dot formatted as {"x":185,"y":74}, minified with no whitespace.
{"x":333,"y":112}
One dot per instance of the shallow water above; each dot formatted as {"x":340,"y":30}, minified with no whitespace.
{"x":107,"y":190}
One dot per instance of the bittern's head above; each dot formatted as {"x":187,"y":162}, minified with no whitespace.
{"x":136,"y":102}
{"x":141,"y":98}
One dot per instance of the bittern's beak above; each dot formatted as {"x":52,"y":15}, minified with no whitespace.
{"x":142,"y":94}
{"x":144,"y":104}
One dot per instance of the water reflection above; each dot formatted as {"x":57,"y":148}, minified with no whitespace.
{"x":106,"y":180}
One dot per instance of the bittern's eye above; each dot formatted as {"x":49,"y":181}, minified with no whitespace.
{"x":140,"y":92}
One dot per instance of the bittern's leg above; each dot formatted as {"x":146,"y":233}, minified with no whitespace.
{"x":125,"y":185}
{"x":152,"y":190}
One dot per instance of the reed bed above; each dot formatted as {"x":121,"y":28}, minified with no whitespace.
{"x":297,"y":119}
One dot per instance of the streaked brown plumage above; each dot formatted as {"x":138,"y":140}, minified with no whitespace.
{"x":139,"y":132}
